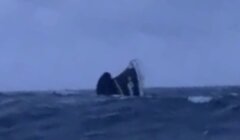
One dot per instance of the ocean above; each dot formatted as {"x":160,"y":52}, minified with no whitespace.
{"x":206,"y":113}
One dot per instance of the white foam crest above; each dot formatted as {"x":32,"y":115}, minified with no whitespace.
{"x":200,"y":99}
{"x":234,"y":94}
{"x":67,"y":92}
{"x":107,"y":115}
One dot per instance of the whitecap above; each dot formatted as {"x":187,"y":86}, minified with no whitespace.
{"x":107,"y":115}
{"x":234,"y":94}
{"x":199,"y":99}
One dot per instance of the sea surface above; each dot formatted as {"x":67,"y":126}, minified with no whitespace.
{"x":206,"y":113}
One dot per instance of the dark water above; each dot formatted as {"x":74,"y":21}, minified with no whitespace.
{"x":164,"y":114}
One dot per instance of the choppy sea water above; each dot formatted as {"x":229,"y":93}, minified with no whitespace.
{"x":162,"y":114}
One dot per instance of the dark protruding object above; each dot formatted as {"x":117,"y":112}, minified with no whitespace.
{"x":128,"y":83}
{"x":106,"y":85}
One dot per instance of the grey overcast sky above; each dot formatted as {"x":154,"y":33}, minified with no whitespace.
{"x":59,"y":44}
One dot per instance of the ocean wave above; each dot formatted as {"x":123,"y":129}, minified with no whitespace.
{"x":200,"y":99}
{"x":90,"y":117}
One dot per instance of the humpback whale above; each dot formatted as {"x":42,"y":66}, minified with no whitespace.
{"x":127,"y":83}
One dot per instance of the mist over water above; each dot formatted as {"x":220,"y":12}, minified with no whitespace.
{"x":59,"y":44}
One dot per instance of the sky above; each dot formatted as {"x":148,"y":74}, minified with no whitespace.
{"x":68,"y":44}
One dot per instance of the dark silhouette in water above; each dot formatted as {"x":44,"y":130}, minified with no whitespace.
{"x":106,"y":85}
{"x":128,"y":83}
